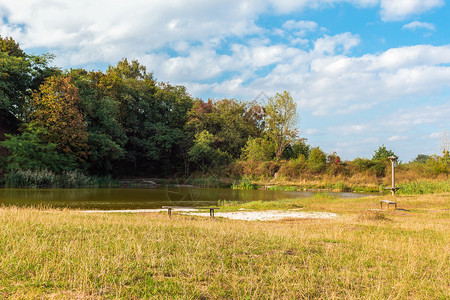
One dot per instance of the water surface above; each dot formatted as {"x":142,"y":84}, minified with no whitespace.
{"x":142,"y":198}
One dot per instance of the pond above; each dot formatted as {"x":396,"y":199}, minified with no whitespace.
{"x":108,"y":199}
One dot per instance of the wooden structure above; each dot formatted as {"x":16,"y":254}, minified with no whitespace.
{"x":170,"y":208}
{"x":388,"y":203}
{"x":393,"y":188}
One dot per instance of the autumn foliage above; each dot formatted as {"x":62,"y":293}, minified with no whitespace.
{"x":54,"y":108}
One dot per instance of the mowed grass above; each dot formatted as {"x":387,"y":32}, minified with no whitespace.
{"x":363,"y":254}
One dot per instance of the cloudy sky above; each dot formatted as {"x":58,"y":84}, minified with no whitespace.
{"x":363,"y":72}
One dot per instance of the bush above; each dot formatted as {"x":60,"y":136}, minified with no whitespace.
{"x":374,"y":167}
{"x":317,"y":161}
{"x":256,"y":169}
{"x":294,"y":168}
{"x":46,"y":179}
{"x":258,"y":149}
{"x":294,"y":151}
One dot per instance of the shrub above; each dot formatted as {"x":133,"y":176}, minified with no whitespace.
{"x":258,"y":149}
{"x":256,"y":169}
{"x":374,"y":167}
{"x":46,"y":179}
{"x":317,"y":160}
{"x":294,"y":168}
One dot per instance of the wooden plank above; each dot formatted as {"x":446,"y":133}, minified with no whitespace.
{"x":189,"y":207}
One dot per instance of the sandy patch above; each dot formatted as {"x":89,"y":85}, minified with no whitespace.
{"x":268,"y":215}
{"x":131,"y":211}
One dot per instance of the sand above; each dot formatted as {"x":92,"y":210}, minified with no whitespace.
{"x":267,"y":215}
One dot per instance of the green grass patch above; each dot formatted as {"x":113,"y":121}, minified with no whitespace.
{"x":424,"y":187}
{"x":282,"y":188}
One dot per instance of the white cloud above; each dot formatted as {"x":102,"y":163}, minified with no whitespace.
{"x":301,"y":28}
{"x":106,"y":30}
{"x":405,"y":119}
{"x":287,"y":6}
{"x":343,"y":42}
{"x":395,"y":10}
{"x":311,"y":131}
{"x":435,"y":135}
{"x":326,"y":79}
{"x":417,"y":25}
{"x":396,"y":138}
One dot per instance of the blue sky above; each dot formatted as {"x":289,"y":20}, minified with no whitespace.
{"x":363,"y":72}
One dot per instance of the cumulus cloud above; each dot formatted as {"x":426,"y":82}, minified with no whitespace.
{"x":215,"y":47}
{"x":396,"y":138}
{"x":418,"y":25}
{"x":405,"y":119}
{"x":395,"y":10}
{"x":311,"y":131}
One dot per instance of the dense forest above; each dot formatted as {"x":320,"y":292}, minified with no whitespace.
{"x":122,"y":122}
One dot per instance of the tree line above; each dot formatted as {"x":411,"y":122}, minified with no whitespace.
{"x":123,"y":122}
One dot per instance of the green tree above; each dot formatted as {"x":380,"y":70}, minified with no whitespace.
{"x":317,"y":160}
{"x":151,"y":115}
{"x":297,"y":149}
{"x":106,"y":138}
{"x":259,"y":149}
{"x":203,"y":156}
{"x":382,"y":152}
{"x":230,"y":121}
{"x":421,"y":158}
{"x":30,"y":152}
{"x":15,"y":76}
{"x":20,"y":75}
{"x":281,"y":119}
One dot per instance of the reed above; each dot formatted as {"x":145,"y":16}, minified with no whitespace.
{"x":243,"y":184}
{"x":48,"y":179}
{"x":424,"y":187}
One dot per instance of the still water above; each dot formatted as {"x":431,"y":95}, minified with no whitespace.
{"x":141,"y":198}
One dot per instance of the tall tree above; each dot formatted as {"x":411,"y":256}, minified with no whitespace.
{"x":55,"y":109}
{"x":15,"y":76}
{"x":382,"y":152}
{"x":106,"y":138}
{"x":151,"y":114}
{"x":229,"y":121}
{"x":20,"y":75}
{"x":281,"y":119}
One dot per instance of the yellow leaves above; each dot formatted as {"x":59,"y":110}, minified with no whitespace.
{"x":55,"y":109}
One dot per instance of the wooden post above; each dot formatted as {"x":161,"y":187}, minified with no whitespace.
{"x":394,"y":163}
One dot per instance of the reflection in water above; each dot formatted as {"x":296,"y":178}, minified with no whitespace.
{"x":141,"y":198}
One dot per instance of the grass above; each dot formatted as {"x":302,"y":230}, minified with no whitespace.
{"x":243,"y":184}
{"x":425,"y":187}
{"x":282,"y":188}
{"x":63,"y":254}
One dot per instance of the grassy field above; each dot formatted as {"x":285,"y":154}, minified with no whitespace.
{"x":363,"y":254}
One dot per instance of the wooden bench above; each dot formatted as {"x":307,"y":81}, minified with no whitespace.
{"x":388,"y":203}
{"x":211,"y":209}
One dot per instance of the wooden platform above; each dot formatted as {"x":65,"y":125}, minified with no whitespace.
{"x":170,"y":208}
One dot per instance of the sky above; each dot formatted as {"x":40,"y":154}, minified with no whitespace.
{"x":364,"y":73}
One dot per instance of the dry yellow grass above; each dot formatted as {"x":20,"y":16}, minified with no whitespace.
{"x":361,"y":255}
